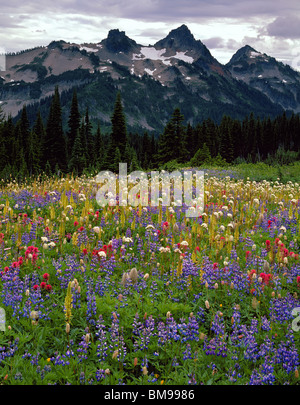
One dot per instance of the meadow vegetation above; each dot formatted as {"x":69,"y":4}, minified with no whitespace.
{"x":144,"y":295}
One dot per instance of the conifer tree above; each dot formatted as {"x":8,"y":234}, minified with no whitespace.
{"x":55,"y":144}
{"x":19,"y":161}
{"x":24,"y":132}
{"x":258,"y":146}
{"x":109,"y":156}
{"x":8,"y":131}
{"x":165,"y":151}
{"x":78,"y":161}
{"x":33,"y":154}
{"x":73,"y":122}
{"x":98,"y":148}
{"x":3,"y":149}
{"x":134,"y":164}
{"x":171,"y":144}
{"x":252,"y":137}
{"x":90,"y":152}
{"x":226,"y":142}
{"x":117,"y":160}
{"x":191,"y":140}
{"x":179,"y":136}
{"x":201,"y":156}
{"x":127,"y":155}
{"x":17,"y":151}
{"x":39,"y":130}
{"x":268,"y":137}
{"x":210,"y":136}
{"x":119,"y":131}
{"x":236,"y":135}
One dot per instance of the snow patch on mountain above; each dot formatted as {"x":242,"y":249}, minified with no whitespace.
{"x":149,"y":72}
{"x":184,"y":57}
{"x":86,"y":48}
{"x":158,"y":54}
{"x":254,"y":54}
{"x":149,"y":53}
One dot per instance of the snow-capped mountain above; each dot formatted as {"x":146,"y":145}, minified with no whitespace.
{"x":178,"y":70}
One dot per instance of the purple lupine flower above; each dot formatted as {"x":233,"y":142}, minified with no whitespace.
{"x":102,"y":340}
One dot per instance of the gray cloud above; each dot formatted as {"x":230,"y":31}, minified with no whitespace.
{"x":7,"y":21}
{"x":215,"y":42}
{"x":158,"y":10}
{"x":91,"y":20}
{"x":284,"y":27}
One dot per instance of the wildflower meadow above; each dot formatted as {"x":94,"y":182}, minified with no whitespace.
{"x":143,"y":295}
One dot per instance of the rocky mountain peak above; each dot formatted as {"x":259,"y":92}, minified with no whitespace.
{"x":244,"y":54}
{"x":179,"y":38}
{"x":117,"y":41}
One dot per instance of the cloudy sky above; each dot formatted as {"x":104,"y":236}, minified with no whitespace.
{"x":269,"y":26}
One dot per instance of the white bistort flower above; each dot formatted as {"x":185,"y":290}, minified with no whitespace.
{"x":96,"y":229}
{"x":125,"y":239}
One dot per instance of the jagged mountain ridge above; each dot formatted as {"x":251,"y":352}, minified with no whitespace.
{"x":278,"y":81}
{"x":178,"y":69}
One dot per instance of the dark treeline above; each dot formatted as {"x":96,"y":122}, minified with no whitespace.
{"x":44,"y":147}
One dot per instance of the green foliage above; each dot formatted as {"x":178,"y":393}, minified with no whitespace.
{"x":202,"y":156}
{"x":119,"y":130}
{"x":55,"y":142}
{"x":26,"y":145}
{"x":170,"y":166}
{"x":283,"y":157}
{"x":78,"y":161}
{"x":218,"y":161}
{"x":172,"y":143}
{"x":162,"y":317}
{"x":73,"y":123}
{"x":117,"y":160}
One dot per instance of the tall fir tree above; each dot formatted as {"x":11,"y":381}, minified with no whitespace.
{"x":210,"y":136}
{"x":226,"y":148}
{"x":117,"y":160}
{"x":146,"y":150}
{"x":180,"y":144}
{"x":73,"y":123}
{"x":3,"y":148}
{"x":78,"y":161}
{"x":171,"y":144}
{"x":119,"y":130}
{"x":55,"y":143}
{"x":191,"y":140}
{"x":24,"y":133}
{"x":19,"y":163}
{"x":33,"y":158}
{"x":89,"y":138}
{"x":118,"y":137}
{"x":8,"y":132}
{"x":98,"y":148}
{"x":268,"y":145}
{"x":40,"y":133}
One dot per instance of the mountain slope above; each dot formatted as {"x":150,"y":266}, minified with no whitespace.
{"x":278,"y":81}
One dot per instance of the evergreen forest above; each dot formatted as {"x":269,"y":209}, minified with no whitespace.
{"x":45,"y":147}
